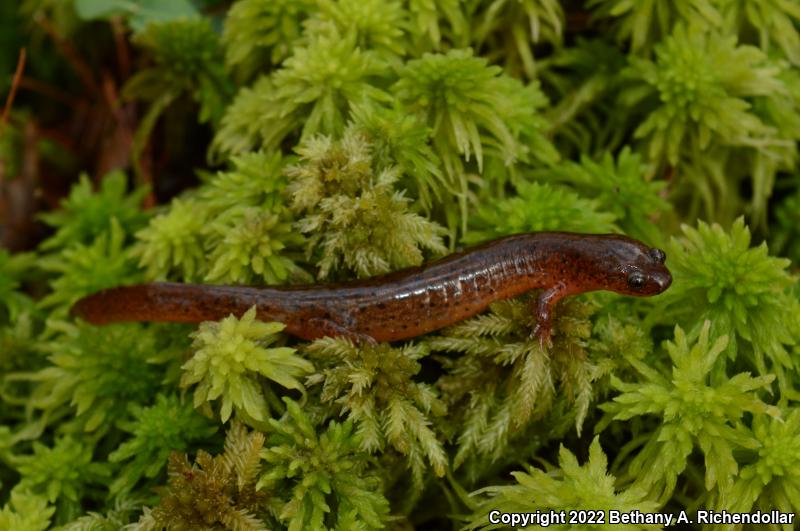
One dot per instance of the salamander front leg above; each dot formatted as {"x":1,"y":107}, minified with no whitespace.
{"x":542,"y":309}
{"x":331,"y":328}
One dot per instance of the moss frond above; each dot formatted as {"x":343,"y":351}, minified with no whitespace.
{"x":215,"y":493}
{"x":378,"y":25}
{"x":784,"y":237}
{"x":65,"y":474}
{"x":249,"y":248}
{"x":643,"y":24}
{"x":474,"y":110}
{"x":251,"y":239}
{"x":188,"y":64}
{"x":235,"y":229}
{"x":259,"y":34}
{"x":374,"y":386}
{"x":324,"y":478}
{"x":398,"y":138}
{"x":311,"y":94}
{"x":98,"y":372}
{"x":435,"y":21}
{"x":703,"y":102}
{"x":254,"y":179}
{"x":768,"y":24}
{"x":85,"y":214}
{"x":116,"y":519}
{"x":539,"y":207}
{"x":511,"y":29}
{"x":504,"y":379}
{"x":701,"y":94}
{"x":743,"y":291}
{"x":170,"y":424}
{"x":14,"y":268}
{"x":19,"y":342}
{"x":571,"y":487}
{"x":584,"y":79}
{"x":229,"y":357}
{"x":620,"y":187}
{"x":188,"y":59}
{"x":695,"y":412}
{"x":26,"y":512}
{"x":84,"y":269}
{"x":769,"y":476}
{"x":354,"y":218}
{"x":171,"y":246}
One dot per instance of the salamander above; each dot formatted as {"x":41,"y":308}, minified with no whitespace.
{"x":414,"y":301}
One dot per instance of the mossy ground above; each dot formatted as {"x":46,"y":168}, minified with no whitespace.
{"x":265,"y":142}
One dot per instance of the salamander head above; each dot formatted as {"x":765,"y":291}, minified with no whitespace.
{"x":633,"y":268}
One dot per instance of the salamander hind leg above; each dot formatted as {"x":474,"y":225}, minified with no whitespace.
{"x":331,"y":328}
{"x":542,"y":308}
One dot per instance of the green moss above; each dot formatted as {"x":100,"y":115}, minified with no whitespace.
{"x":769,"y":477}
{"x":355,"y":219}
{"x":742,"y":291}
{"x":168,"y":425}
{"x":569,"y":487}
{"x":348,"y":139}
{"x":26,"y":512}
{"x":379,"y":25}
{"x":699,"y":93}
{"x":97,"y":373}
{"x":188,"y":60}
{"x":229,"y":357}
{"x":373,"y":386}
{"x":172,"y":243}
{"x":324,"y":478}
{"x":643,"y":24}
{"x":64,"y":474}
{"x":510,"y":29}
{"x":504,"y":379}
{"x":475,"y":112}
{"x":13,"y":270}
{"x":619,"y":187}
{"x":217,"y":492}
{"x":259,"y":33}
{"x":83,"y":269}
{"x":310,"y":94}
{"x":784,"y":239}
{"x":539,"y":207}
{"x":695,"y":412}
{"x":235,"y":229}
{"x":84,"y":215}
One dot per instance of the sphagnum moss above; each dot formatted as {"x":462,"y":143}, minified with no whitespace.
{"x":347,"y":136}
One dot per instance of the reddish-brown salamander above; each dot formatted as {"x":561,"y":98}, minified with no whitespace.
{"x":414,"y":301}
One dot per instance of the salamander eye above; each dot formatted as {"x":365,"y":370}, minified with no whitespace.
{"x":658,"y":255}
{"x":636,"y":280}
